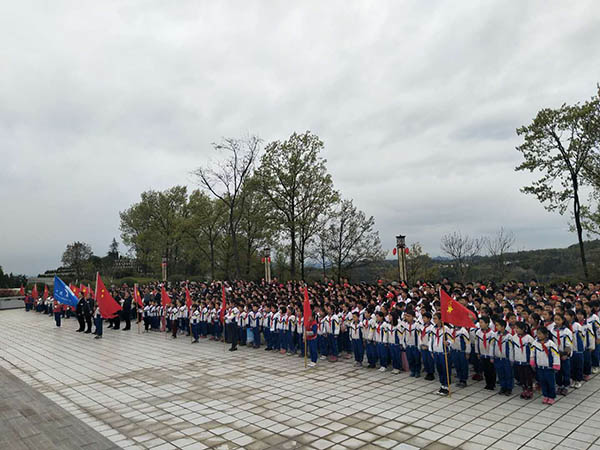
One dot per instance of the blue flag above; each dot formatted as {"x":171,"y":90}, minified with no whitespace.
{"x":63,"y":293}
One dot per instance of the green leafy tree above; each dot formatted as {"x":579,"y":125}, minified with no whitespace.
{"x":294,"y":178}
{"x":562,"y":145}
{"x":153,"y":228}
{"x":205,"y":226}
{"x":76,"y":256}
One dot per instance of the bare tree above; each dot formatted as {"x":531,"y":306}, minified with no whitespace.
{"x":462,"y":250}
{"x":497,"y":247}
{"x":226,"y":179}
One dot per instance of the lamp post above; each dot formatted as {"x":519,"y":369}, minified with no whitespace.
{"x":164,"y":269}
{"x":400,"y":247}
{"x":267,"y":264}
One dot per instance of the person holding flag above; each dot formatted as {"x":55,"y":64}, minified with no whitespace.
{"x":453,"y":313}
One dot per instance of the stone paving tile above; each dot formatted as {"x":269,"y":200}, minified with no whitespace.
{"x":145,"y":391}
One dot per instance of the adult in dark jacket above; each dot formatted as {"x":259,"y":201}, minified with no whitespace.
{"x":79,"y":313}
{"x":127,"y":311}
{"x":88,"y":309}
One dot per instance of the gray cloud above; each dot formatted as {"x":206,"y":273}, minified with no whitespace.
{"x":417,"y":104}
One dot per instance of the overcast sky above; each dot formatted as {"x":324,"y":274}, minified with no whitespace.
{"x":417,"y":103}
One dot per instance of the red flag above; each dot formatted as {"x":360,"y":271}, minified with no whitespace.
{"x":188,"y":298}
{"x":91,"y":291}
{"x":166,"y":300}
{"x":454,"y":313}
{"x":223,"y":305}
{"x":137,"y":297}
{"x":22,"y":291}
{"x":83,"y":289}
{"x":74,"y":289}
{"x":307,"y":314}
{"x":45,"y":294}
{"x":107,"y":304}
{"x":34,"y":292}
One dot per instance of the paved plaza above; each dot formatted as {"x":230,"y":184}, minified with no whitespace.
{"x":138,"y":391}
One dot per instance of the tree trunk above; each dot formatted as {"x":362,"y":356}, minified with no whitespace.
{"x":577,"y":214}
{"x":212,"y":259}
{"x":293,"y":252}
{"x":234,"y":244}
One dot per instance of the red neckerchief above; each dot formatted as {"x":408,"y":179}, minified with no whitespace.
{"x":500,"y":342}
{"x":423,"y":331}
{"x":454,"y":333}
{"x":521,"y":342}
{"x":437,"y":335}
{"x":485,"y":338}
{"x":544,"y":348}
{"x":558,"y":337}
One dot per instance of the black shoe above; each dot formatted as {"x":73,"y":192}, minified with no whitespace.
{"x":490,"y":388}
{"x":98,"y":337}
{"x":501,"y":391}
{"x":195,"y":342}
{"x":442,"y":391}
{"x":88,"y":332}
{"x":371,"y":366}
{"x":233,"y":349}
{"x":125,"y":329}
{"x":79,"y":331}
{"x":508,"y":392}
{"x":429,"y":377}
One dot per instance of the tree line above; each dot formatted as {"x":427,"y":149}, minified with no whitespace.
{"x":281,"y":197}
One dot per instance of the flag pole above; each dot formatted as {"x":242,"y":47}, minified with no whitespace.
{"x":305,"y":345}
{"x":446,"y":358}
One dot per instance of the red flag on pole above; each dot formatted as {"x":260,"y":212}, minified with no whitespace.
{"x":34,"y":292}
{"x":107,"y":304}
{"x":188,"y":298}
{"x":74,"y":289}
{"x":137,"y":297}
{"x":454,"y":313}
{"x":22,"y":291}
{"x":307,"y":313}
{"x":45,"y":294}
{"x":165,"y":299}
{"x":223,"y":305}
{"x":83,"y":289}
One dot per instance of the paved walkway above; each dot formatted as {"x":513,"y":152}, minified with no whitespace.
{"x":30,"y":421}
{"x":145,"y":391}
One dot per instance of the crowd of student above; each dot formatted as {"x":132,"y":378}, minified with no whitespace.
{"x":544,"y":337}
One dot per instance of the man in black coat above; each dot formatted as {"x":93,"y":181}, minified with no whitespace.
{"x":79,"y":313}
{"x":127,"y":310}
{"x":87,"y":312}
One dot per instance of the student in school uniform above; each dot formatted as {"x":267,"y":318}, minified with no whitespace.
{"x":563,"y":338}
{"x":370,"y":324}
{"x":521,"y":354}
{"x":311,"y":341}
{"x":300,"y":332}
{"x":322,"y":333}
{"x":460,"y":348}
{"x":578,"y":348}
{"x":484,"y":349}
{"x":382,"y":338}
{"x":502,"y":356}
{"x":355,"y":329}
{"x":204,"y":314}
{"x":593,"y":323}
{"x":254,"y":319}
{"x":590,"y":344}
{"x":98,"y":321}
{"x":412,"y":330}
{"x":173,"y":313}
{"x":243,"y":323}
{"x":146,"y":316}
{"x":438,"y":347}
{"x":396,"y":342}
{"x":291,"y":329}
{"x":266,"y":326}
{"x":183,"y":318}
{"x":276,"y":327}
{"x":545,"y":359}
{"x":426,"y":357}
{"x":232,"y":319}
{"x":195,"y":323}
{"x":333,"y":331}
